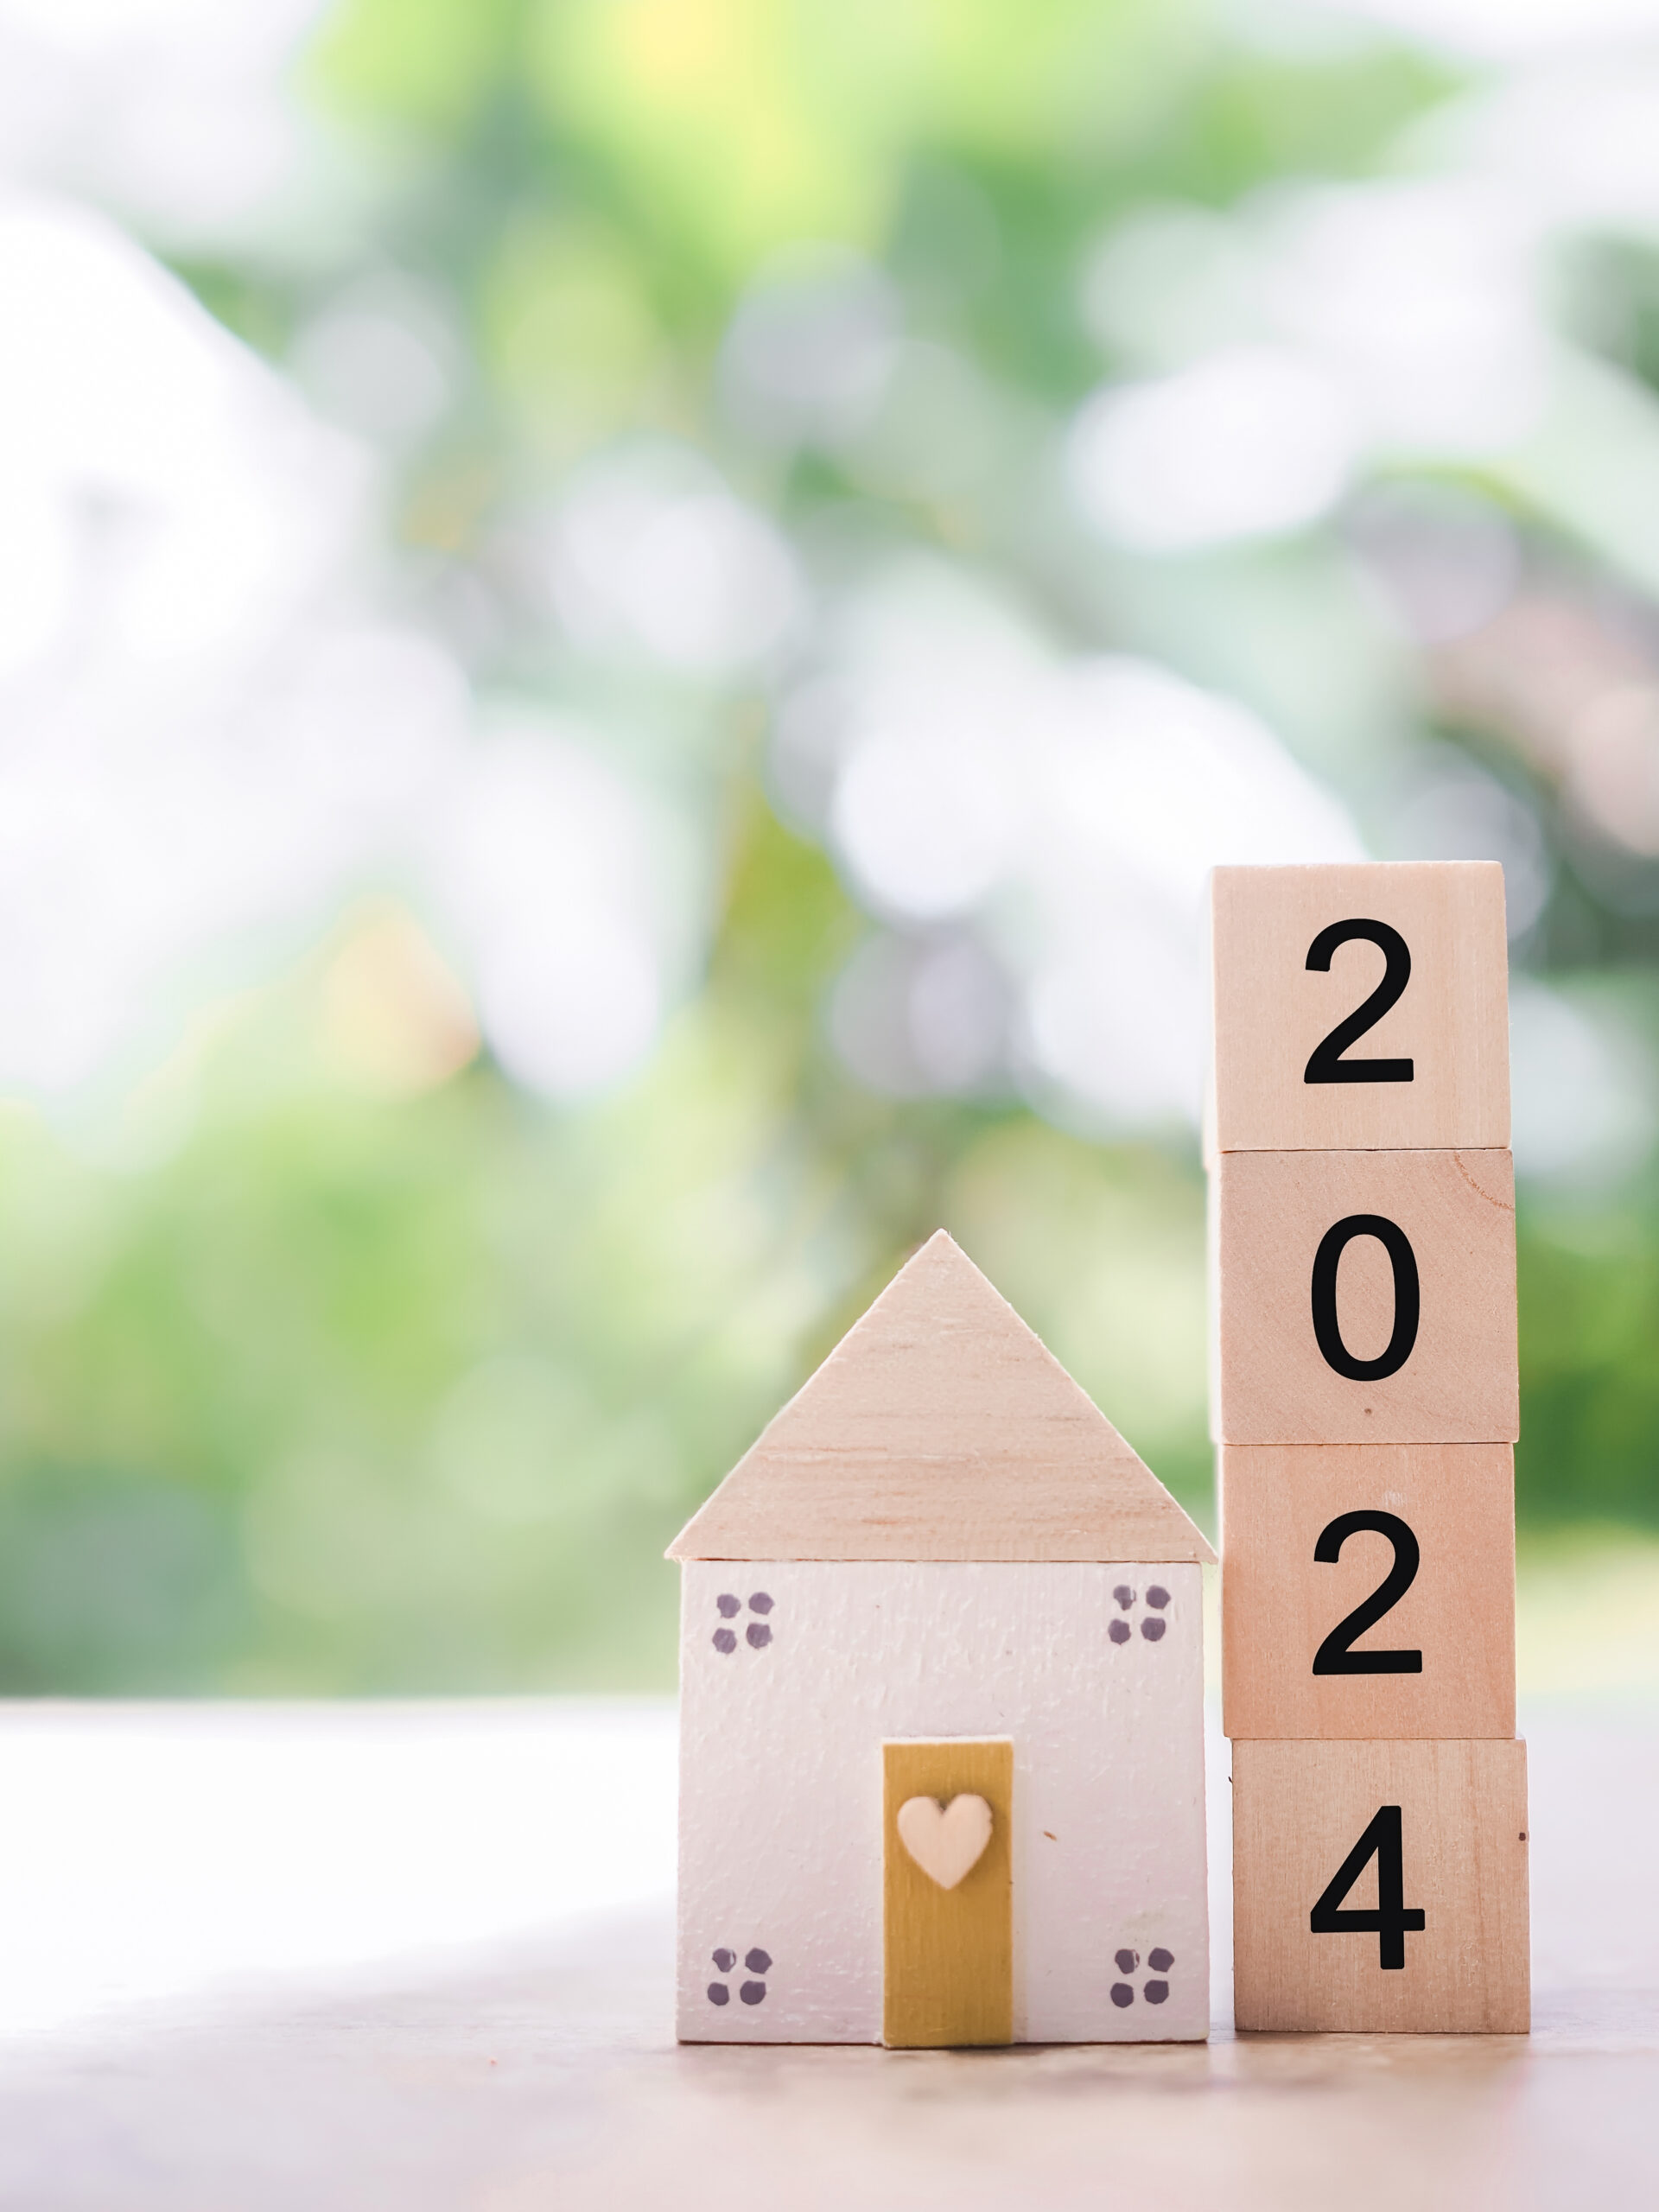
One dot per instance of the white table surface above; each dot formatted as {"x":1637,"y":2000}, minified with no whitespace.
{"x":419,"y":1955}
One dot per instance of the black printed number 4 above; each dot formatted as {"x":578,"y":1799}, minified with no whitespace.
{"x":1392,"y":1919}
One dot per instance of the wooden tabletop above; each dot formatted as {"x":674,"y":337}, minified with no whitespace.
{"x":262,"y":1957}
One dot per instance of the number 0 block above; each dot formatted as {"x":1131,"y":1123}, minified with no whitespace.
{"x":1363,"y":1006}
{"x":1380,"y":1888}
{"x":1365,"y":1298}
{"x":1368,"y":1590}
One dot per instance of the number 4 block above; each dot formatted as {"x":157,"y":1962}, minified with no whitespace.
{"x":1381,"y":1887}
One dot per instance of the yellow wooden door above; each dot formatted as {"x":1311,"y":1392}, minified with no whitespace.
{"x":948,"y":1951}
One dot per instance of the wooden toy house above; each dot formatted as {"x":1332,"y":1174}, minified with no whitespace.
{"x":941,"y":1669}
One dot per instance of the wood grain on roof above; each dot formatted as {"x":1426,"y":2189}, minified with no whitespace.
{"x":941,"y":1428}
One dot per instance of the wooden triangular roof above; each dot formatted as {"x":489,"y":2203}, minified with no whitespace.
{"x":941,"y":1428}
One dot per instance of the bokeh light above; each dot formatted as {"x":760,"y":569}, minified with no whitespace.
{"x":627,"y":631}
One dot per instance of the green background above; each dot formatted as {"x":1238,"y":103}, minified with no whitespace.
{"x":331,"y":1383}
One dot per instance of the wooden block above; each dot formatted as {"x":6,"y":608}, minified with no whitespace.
{"x":1368,"y":1590}
{"x":1366,"y":1298}
{"x":947,"y":1943}
{"x":793,"y":1676}
{"x":1380,"y":1888}
{"x":1359,"y":1006}
{"x":941,"y":1428}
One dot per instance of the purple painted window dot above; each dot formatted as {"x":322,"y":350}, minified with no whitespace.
{"x":1160,"y":1960}
{"x":760,"y":1602}
{"x":718,"y":1993}
{"x":1158,"y":1597}
{"x":759,"y":1635}
{"x":1119,"y":1632}
{"x":1155,"y":1992}
{"x":758,"y":1961}
{"x":724,"y":1640}
{"x":1124,"y":1596}
{"x":725,"y":1961}
{"x":752,"y":1993}
{"x":1153,"y":1628}
{"x":1125,"y":1962}
{"x":728,"y":1605}
{"x":1122,"y":1995}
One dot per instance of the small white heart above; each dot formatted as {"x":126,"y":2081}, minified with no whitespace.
{"x":946,"y":1841}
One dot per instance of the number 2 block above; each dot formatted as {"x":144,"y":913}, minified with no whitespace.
{"x":1368,"y":1590}
{"x":1358,"y":1007}
{"x":1380,"y":1888}
{"x":1365,"y":1298}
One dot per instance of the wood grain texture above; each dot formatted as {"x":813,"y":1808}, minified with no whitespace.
{"x":1279,"y":1603}
{"x":1094,"y":1672}
{"x":1271,"y":1010}
{"x":1299,"y":1808}
{"x":1274,"y":1385}
{"x":947,"y":1969}
{"x":941,"y":1428}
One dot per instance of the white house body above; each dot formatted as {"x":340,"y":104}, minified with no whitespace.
{"x":949,"y":1497}
{"x":780,"y":1788}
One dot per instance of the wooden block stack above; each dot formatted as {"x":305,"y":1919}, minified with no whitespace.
{"x":1366,"y":1406}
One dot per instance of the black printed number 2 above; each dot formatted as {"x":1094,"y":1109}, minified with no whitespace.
{"x":1326,"y":1063}
{"x":1394,"y":1919}
{"x":1337,"y":1655}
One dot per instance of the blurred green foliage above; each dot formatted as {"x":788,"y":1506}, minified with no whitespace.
{"x":313,"y":1381}
{"x":351,"y":1391}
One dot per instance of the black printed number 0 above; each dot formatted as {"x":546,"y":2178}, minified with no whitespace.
{"x":1326,"y":1063}
{"x":1407,"y":1297}
{"x":1394,"y":1919}
{"x":1337,"y":1655}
